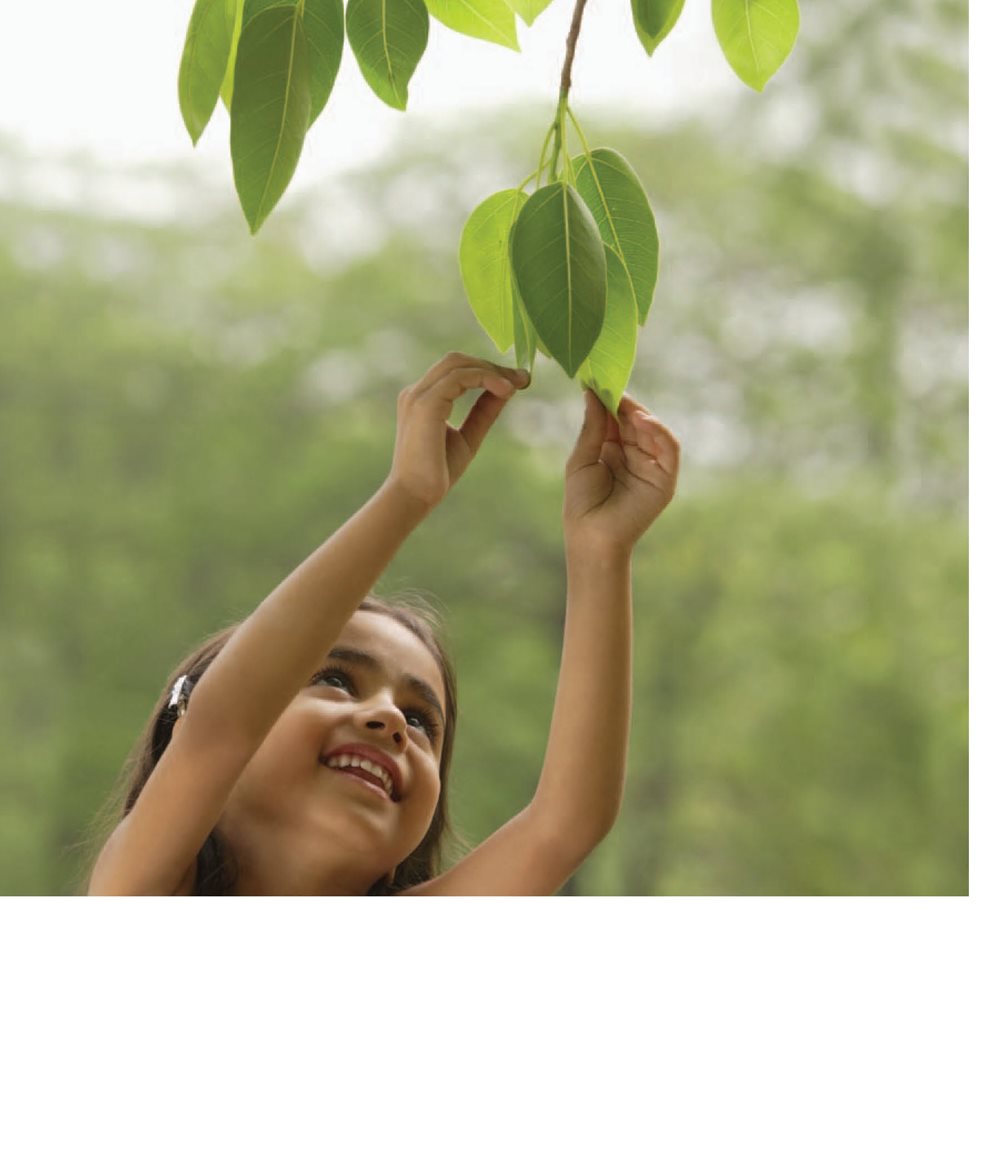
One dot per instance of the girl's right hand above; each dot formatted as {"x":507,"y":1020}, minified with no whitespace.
{"x":430,"y":454}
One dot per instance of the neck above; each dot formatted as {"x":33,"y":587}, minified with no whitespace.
{"x":273,"y":862}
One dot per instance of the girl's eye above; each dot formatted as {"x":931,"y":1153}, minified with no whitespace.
{"x":336,"y":678}
{"x":426,"y":723}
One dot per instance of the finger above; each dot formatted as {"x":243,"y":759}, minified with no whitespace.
{"x":587,"y":450}
{"x":452,"y":361}
{"x":437,"y":399}
{"x":636,"y":411}
{"x":656,"y":437}
{"x":636,"y":435}
{"x":629,"y":412}
{"x":481,"y":417}
{"x":654,"y":460}
{"x":641,"y":420}
{"x":504,"y":383}
{"x":613,"y":456}
{"x":630,"y":406}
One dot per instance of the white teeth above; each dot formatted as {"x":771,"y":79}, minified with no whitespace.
{"x":373,"y":768}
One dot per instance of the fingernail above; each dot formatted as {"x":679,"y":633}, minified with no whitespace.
{"x":522,"y":375}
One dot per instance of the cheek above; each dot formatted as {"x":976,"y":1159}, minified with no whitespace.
{"x":430,"y":782}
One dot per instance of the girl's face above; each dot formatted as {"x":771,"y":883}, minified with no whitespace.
{"x":349,"y":774}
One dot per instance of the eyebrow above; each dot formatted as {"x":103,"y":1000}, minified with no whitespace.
{"x":356,"y":657}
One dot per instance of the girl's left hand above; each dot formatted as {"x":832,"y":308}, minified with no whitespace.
{"x":621,"y":474}
{"x":430,"y":454}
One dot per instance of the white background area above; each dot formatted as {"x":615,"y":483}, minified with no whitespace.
{"x":101,"y":77}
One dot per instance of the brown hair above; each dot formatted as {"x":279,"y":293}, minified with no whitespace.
{"x":217,"y":866}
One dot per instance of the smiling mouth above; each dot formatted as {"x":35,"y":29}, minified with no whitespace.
{"x":371,"y":774}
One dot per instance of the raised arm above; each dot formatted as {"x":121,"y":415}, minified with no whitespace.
{"x":263,"y":666}
{"x":267,"y":661}
{"x":619,"y":477}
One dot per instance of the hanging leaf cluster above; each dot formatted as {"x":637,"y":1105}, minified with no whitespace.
{"x":568,"y":270}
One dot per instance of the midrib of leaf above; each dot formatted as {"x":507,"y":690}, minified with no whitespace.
{"x":385,"y":47}
{"x":284,"y":111}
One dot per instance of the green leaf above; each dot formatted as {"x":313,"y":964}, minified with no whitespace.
{"x":388,"y":38}
{"x":614,"y":194}
{"x":226,"y":92}
{"x":653,"y":19}
{"x":252,"y":8}
{"x":488,"y":20}
{"x":203,"y":62}
{"x":525,"y":337}
{"x":324,"y":28}
{"x":529,"y":10}
{"x":271,"y":106}
{"x":756,"y":36}
{"x":323,"y":23}
{"x":560,"y":271}
{"x":484,"y":260}
{"x":607,"y":368}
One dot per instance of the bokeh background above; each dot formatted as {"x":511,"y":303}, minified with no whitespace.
{"x":185,"y":413}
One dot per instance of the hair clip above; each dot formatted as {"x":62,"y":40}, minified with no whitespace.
{"x":179,"y":695}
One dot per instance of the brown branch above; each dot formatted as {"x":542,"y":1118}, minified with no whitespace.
{"x":574,"y":32}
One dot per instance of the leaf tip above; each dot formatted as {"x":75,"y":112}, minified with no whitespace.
{"x":191,"y":125}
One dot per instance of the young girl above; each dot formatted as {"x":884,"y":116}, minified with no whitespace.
{"x":305,"y":751}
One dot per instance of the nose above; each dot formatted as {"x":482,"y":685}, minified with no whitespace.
{"x":384,"y":718}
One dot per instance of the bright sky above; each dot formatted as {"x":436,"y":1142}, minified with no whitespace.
{"x":102,"y":76}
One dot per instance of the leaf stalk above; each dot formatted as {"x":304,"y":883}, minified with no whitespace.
{"x":559,"y":124}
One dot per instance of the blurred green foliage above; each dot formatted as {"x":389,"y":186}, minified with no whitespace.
{"x":185,"y":413}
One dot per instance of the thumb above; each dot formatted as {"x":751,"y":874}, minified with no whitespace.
{"x":480,"y":418}
{"x":587,"y":450}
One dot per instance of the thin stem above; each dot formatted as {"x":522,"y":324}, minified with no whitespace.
{"x":576,"y":126}
{"x":558,"y":126}
{"x":561,"y":144}
{"x":541,"y":161}
{"x":571,"y":39}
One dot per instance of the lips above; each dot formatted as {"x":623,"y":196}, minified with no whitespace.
{"x":369,"y":765}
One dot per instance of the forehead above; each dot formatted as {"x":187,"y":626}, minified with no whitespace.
{"x":398,"y":650}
